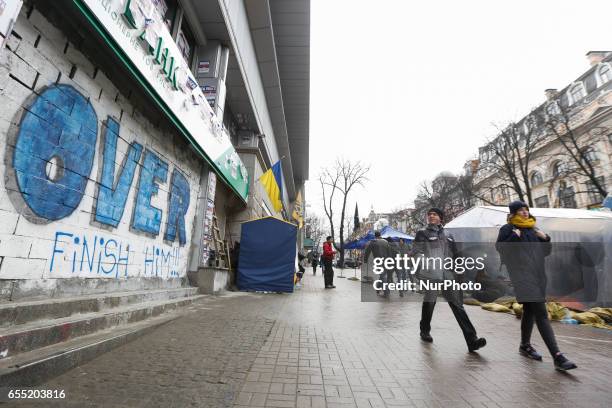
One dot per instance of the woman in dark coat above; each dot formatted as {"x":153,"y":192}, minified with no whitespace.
{"x":314,"y":262}
{"x":523,"y":248}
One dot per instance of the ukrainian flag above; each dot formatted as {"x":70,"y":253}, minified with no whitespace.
{"x":272,"y":181}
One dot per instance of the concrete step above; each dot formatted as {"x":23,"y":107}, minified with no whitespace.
{"x":24,"y":338}
{"x":35,"y":367}
{"x":16,"y":313}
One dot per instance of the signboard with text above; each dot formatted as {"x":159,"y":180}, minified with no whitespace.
{"x":137,"y":28}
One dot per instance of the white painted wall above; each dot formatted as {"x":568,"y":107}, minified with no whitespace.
{"x":27,"y":248}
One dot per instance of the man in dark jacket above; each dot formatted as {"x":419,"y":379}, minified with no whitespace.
{"x":328,"y":257}
{"x":379,"y":248}
{"x":433,"y":243}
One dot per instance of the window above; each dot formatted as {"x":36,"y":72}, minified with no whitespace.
{"x":577,"y":92}
{"x":605,"y":73}
{"x":553,"y":108}
{"x":536,"y":178}
{"x":566,"y":195}
{"x":594,"y":196}
{"x":590,"y":155}
{"x":185,"y":41}
{"x":557,"y":169}
{"x":170,"y":13}
{"x":542,"y":202}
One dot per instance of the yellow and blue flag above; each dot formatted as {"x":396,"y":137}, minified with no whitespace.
{"x":272,"y":181}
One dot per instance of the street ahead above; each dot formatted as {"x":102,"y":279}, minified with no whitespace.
{"x":325,"y":348}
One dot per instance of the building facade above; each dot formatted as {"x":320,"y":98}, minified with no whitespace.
{"x":562,"y":162}
{"x":134,"y":133}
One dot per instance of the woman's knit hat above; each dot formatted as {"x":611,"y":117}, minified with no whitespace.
{"x":517,"y":205}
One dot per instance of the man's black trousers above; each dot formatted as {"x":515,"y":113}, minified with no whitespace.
{"x":328,"y":272}
{"x":455,"y":301}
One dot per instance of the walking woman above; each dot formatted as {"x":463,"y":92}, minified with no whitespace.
{"x":523,"y":247}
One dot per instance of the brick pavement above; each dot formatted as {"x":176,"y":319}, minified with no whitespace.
{"x":325,"y":348}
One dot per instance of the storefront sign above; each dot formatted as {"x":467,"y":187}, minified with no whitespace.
{"x":203,"y":67}
{"x":137,"y":29}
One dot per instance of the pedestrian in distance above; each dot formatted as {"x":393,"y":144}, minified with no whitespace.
{"x":403,"y":273}
{"x":523,"y":248}
{"x":314,"y":262}
{"x":328,"y":257}
{"x":379,"y":248}
{"x":432,"y":242}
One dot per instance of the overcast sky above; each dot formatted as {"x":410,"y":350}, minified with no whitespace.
{"x":413,"y":87}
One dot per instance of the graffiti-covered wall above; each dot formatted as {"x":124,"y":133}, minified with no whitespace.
{"x":90,"y":188}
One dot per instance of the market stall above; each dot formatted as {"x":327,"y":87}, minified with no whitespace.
{"x":579,"y":267}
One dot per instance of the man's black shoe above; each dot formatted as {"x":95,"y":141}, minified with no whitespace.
{"x":563,"y":364}
{"x":426,"y":337}
{"x":477,"y":344}
{"x":332,"y":286}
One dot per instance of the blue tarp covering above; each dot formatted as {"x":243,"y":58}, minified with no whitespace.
{"x":267,"y":255}
{"x":386,"y":232}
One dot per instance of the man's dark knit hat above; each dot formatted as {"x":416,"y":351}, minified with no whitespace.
{"x":437,"y":211}
{"x":517,"y":205}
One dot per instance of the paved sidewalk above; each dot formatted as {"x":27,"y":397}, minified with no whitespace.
{"x":325,"y":348}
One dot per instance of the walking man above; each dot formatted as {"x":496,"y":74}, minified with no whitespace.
{"x":435,"y":245}
{"x":379,"y":248}
{"x":328,"y":257}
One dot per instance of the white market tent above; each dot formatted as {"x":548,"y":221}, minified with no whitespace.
{"x":581,"y":260}
{"x":490,"y":216}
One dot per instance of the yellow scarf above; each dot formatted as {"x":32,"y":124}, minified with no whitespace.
{"x":521,"y":222}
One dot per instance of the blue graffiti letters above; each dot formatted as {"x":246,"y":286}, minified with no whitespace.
{"x":95,"y":254}
{"x":146,"y":217}
{"x":112,"y":196}
{"x":58,"y":130}
{"x":52,"y":159}
{"x":160,"y":263}
{"x":179,"y":202}
{"x":57,"y":250}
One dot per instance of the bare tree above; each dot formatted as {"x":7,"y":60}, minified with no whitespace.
{"x":329,"y":182}
{"x":452,"y":194}
{"x":576,"y":142}
{"x":509,"y":158}
{"x":341,"y":178}
{"x":315,"y":229}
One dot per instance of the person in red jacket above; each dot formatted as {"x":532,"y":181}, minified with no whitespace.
{"x":328,"y":257}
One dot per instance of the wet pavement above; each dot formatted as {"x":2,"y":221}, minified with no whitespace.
{"x":326,"y":348}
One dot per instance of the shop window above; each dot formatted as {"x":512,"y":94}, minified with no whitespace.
{"x":185,"y":41}
{"x":171,"y":12}
{"x":542,"y":202}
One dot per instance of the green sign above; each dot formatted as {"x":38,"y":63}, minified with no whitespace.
{"x":142,"y":41}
